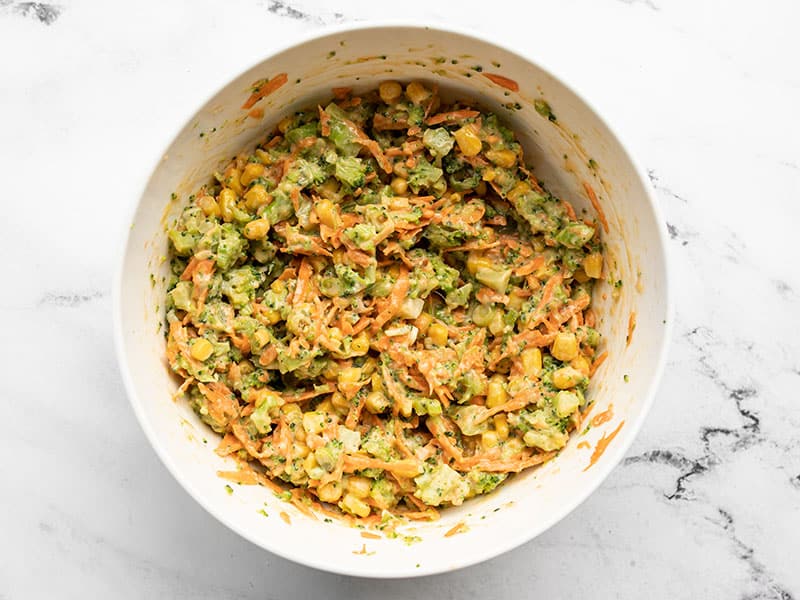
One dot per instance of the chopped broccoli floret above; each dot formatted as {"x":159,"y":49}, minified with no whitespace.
{"x":438,"y":141}
{"x":351,"y":171}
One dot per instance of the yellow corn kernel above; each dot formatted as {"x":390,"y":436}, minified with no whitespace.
{"x":349,"y":376}
{"x":326,"y":406}
{"x":399,"y":186}
{"x":580,"y":275}
{"x":489,"y":175}
{"x":339,"y":401}
{"x":405,"y":406}
{"x":314,"y":422}
{"x":417,"y":93}
{"x":300,"y":450}
{"x":208,"y":205}
{"x":331,"y":371}
{"x":377,"y":384}
{"x":390,"y":91}
{"x":502,"y":158}
{"x":358,"y":486}
{"x":476,"y":260}
{"x":263,"y":156}
{"x":565,"y":346}
{"x":201,"y":349}
{"x":423,"y":322}
{"x":271,"y":316}
{"x":252,"y":171}
{"x":523,"y":187}
{"x":256,"y":230}
{"x":468,"y":141}
{"x":285,"y":123}
{"x":226,"y":201}
{"x":232,"y":180}
{"x":360,"y":344}
{"x":408,"y":467}
{"x":501,"y":427}
{"x":354,"y":506}
{"x":330,"y":189}
{"x":376,"y":403}
{"x":256,"y":197}
{"x":489,"y":440}
{"x":438,"y":334}
{"x":290,"y":408}
{"x":335,"y":335}
{"x":278,"y":286}
{"x":593,"y":265}
{"x":497,"y":325}
{"x":309,"y":462}
{"x":246,"y":367}
{"x":326,"y":213}
{"x":496,"y":394}
{"x":262,"y":337}
{"x":531,"y":361}
{"x":566,"y":377}
{"x":330,"y":492}
{"x":580,"y":363}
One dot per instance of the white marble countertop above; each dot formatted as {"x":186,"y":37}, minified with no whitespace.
{"x":706,"y":505}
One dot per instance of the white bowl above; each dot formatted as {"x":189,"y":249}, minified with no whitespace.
{"x":528,"y":503}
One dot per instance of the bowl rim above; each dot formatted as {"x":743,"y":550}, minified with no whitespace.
{"x":500,"y":546}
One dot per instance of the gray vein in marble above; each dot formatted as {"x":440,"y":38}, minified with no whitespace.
{"x":648,"y":3}
{"x":69,"y":299}
{"x":768,"y":587}
{"x":745,"y":436}
{"x":656,"y":181}
{"x":677,"y":234}
{"x":284,"y":9}
{"x":784,"y":289}
{"x":46,"y":14}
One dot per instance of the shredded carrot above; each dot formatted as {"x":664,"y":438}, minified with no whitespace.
{"x":597,"y":362}
{"x":502,"y":81}
{"x":601,"y":446}
{"x":631,"y":327}
{"x":603,"y":417}
{"x":460,"y":527}
{"x":263,"y":88}
{"x":596,"y":204}
{"x":396,"y":298}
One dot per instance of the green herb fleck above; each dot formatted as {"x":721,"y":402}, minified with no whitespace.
{"x":228,"y":489}
{"x":543,"y":108}
{"x":626,"y":378}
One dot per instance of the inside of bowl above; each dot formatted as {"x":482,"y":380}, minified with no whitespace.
{"x":571,"y":151}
